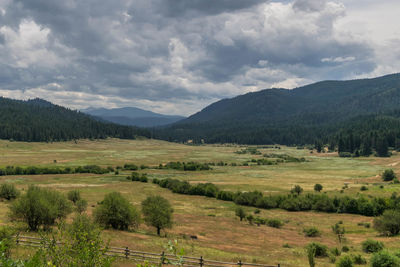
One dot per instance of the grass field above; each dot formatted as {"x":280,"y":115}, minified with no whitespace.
{"x":221,"y":235}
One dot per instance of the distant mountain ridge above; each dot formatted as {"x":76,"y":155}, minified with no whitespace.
{"x":133,"y":116}
{"x":296,"y":116}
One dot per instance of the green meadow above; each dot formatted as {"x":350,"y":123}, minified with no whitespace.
{"x":221,"y":236}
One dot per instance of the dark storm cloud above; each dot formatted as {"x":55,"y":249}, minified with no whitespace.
{"x":172,"y":54}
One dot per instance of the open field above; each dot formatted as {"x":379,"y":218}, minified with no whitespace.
{"x":220,"y":234}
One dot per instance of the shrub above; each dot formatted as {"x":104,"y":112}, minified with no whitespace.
{"x":318,"y":187}
{"x":257,"y":211}
{"x":345,"y":249}
{"x":345,"y":261}
{"x":81,"y":206}
{"x":296,"y":190}
{"x":363,"y":188}
{"x":74,"y":195}
{"x":239,"y":211}
{"x":8,"y":191}
{"x":276,"y":223}
{"x":311,"y":232}
{"x":131,"y":167}
{"x":359,"y":259}
{"x":157,"y":212}
{"x":384,"y":259}
{"x":388,"y":223}
{"x":372,"y":246}
{"x":335,"y":251}
{"x":320,"y":250}
{"x":40,"y":207}
{"x":115,"y":211}
{"x":250,"y":218}
{"x":7,"y":239}
{"x":388,"y":175}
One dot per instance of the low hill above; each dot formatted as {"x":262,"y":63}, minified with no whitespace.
{"x":320,"y":111}
{"x":40,"y":120}
{"x":133,"y":116}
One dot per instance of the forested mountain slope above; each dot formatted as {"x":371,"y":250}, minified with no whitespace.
{"x":325,"y":111}
{"x":39,"y":120}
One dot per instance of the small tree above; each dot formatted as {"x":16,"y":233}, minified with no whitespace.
{"x":388,"y":175}
{"x":40,"y":207}
{"x":8,"y":191}
{"x":296,"y":190}
{"x":240,"y":213}
{"x":318,"y":187}
{"x":74,"y":195}
{"x":339,"y":232}
{"x":81,"y":206}
{"x":115,"y":211}
{"x":388,"y":223}
{"x":384,"y":259}
{"x":157,"y":212}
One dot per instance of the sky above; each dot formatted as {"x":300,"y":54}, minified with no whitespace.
{"x":178,"y":56}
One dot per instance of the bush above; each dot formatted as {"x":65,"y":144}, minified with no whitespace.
{"x":157,"y":212}
{"x":371,"y":246}
{"x":363,"y":188}
{"x":74,"y":195}
{"x":8,"y":191}
{"x":311,"y":232}
{"x":359,"y":259}
{"x":384,"y":259}
{"x":7,"y":239}
{"x":276,"y":223}
{"x":345,"y":261}
{"x":318,"y":187}
{"x":388,"y":175}
{"x":345,"y":249}
{"x":81,"y":206}
{"x":115,"y":211}
{"x":335,"y":251}
{"x":320,"y":250}
{"x":239,"y":211}
{"x":388,"y":223}
{"x":40,"y":207}
{"x":131,"y":167}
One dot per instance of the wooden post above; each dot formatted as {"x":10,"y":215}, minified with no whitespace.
{"x":162,"y":258}
{"x":126,"y":252}
{"x":201,"y":261}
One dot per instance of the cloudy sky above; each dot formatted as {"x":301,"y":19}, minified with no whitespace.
{"x":177,"y":56}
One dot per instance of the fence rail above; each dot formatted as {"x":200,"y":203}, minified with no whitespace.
{"x":152,"y":258}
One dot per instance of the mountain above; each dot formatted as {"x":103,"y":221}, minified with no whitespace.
{"x":319,"y":111}
{"x":40,"y":120}
{"x":133,"y":116}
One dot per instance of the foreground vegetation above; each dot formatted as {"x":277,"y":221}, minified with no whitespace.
{"x":209,"y":226}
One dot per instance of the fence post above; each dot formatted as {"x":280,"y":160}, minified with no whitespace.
{"x":201,"y":261}
{"x":127,"y":252}
{"x":162,"y":258}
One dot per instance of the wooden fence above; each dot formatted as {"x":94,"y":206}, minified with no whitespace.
{"x":152,"y":258}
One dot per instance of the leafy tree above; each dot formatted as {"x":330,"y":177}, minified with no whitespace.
{"x":296,"y":190}
{"x":388,"y":175}
{"x":239,"y":211}
{"x":40,"y":207}
{"x":74,"y":195}
{"x":8,"y":191}
{"x":115,"y":211}
{"x":318,"y":187}
{"x":157,"y":212}
{"x":388,"y":223}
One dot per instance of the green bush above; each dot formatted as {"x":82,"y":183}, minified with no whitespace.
{"x":388,"y":223}
{"x":345,"y":261}
{"x":311,"y":232}
{"x":364,"y":188}
{"x":7,"y":239}
{"x":115,"y":211}
{"x":81,"y":206}
{"x":276,"y":223}
{"x":359,"y":259}
{"x":320,"y":250}
{"x":8,"y":191}
{"x":384,"y":259}
{"x":74,"y":195}
{"x":345,"y":249}
{"x":335,"y":251}
{"x":40,"y":207}
{"x":388,"y":175}
{"x":372,"y":246}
